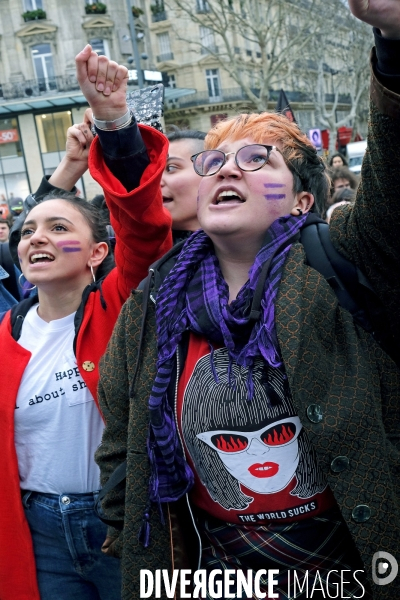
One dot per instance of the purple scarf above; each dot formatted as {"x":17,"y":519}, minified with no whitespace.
{"x":195,"y":296}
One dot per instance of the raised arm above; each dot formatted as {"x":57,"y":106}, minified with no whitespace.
{"x":75,"y":161}
{"x":104,"y":85}
{"x":141,"y":224}
{"x":369,"y":233}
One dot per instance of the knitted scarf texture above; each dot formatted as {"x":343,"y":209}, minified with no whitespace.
{"x":194,"y":296}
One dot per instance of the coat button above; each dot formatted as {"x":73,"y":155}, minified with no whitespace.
{"x":65,"y":500}
{"x":314,"y":413}
{"x":361,"y":513}
{"x":88,"y":365}
{"x":339,"y":464}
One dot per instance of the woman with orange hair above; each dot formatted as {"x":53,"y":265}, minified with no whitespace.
{"x":260,"y":433}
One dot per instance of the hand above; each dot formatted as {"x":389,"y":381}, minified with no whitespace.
{"x":75,"y":161}
{"x":108,"y":546}
{"x":383,"y":14}
{"x":103,"y":83}
{"x":79,"y":138}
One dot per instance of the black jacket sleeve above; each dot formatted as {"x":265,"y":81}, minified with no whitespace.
{"x":46,"y":187}
{"x":388,"y":65}
{"x":125,"y":154}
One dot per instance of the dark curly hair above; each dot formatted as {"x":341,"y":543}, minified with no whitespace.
{"x":344,"y":173}
{"x":340,"y":155}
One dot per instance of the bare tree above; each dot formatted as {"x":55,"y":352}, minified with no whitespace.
{"x":334,"y":68}
{"x":277,"y":30}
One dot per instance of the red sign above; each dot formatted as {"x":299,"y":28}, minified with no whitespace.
{"x":344,"y":135}
{"x":8,"y":135}
{"x":4,"y":211}
{"x":325,"y":138}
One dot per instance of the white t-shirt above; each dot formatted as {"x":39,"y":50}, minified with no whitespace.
{"x":58,"y":426}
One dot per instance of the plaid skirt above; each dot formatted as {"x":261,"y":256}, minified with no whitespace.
{"x":310,"y":556}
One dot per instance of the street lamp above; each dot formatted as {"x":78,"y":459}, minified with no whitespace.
{"x":134,"y":44}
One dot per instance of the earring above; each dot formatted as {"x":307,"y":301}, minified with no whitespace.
{"x":299,"y":211}
{"x":21,"y":285}
{"x":94,"y":278}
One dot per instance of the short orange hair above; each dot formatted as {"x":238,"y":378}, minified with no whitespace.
{"x":308,"y":169}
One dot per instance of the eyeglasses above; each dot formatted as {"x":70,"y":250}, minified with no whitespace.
{"x":248,"y":158}
{"x":279,"y":434}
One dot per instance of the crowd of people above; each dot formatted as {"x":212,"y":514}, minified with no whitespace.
{"x":174,"y":330}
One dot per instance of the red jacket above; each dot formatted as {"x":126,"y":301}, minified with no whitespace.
{"x":143,"y":231}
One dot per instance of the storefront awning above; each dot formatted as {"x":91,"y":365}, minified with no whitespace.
{"x":69,"y":100}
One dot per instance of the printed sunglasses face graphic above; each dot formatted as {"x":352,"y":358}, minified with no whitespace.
{"x":265,"y":460}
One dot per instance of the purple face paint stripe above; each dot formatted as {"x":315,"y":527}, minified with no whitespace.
{"x":275,"y":196}
{"x":274,"y":185}
{"x":68,"y":243}
{"x":71,"y":249}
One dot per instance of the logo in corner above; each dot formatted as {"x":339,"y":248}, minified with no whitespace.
{"x":384,"y":568}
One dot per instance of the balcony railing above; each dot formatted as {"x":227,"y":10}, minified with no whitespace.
{"x":237,"y":94}
{"x":38,"y":87}
{"x":159,"y":16}
{"x":226,"y":95}
{"x":165,"y":56}
{"x":210,"y":49}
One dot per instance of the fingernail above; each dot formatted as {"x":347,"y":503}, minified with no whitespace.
{"x":100,"y":87}
{"x":107,"y":91}
{"x":114,"y":88}
{"x":92,"y":78}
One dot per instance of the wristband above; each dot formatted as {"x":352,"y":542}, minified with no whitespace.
{"x":119,"y":123}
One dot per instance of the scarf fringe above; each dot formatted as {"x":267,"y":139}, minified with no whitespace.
{"x":212,"y":365}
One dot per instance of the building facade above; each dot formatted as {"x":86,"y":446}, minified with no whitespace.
{"x":39,"y":94}
{"x":40,"y":97}
{"x":189,"y":54}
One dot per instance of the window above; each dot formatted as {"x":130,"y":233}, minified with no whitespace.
{"x":170,"y":81}
{"x":100,"y":46}
{"x":202,"y":6}
{"x":52,"y":134}
{"x":206,"y":36}
{"x":213,"y":85}
{"x":252,"y":78}
{"x":164,"y":46}
{"x":207,"y":39}
{"x":43,"y":65}
{"x":33,"y":4}
{"x":13,"y":178}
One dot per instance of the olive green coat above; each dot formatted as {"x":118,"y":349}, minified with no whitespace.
{"x":345,"y":389}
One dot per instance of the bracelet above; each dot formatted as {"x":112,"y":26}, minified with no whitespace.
{"x":119,"y":123}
